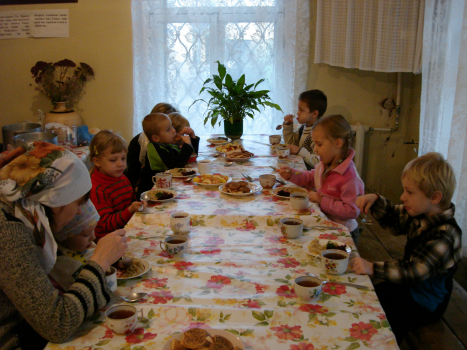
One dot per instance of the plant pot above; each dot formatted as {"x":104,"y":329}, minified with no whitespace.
{"x":61,"y":114}
{"x":235,"y":130}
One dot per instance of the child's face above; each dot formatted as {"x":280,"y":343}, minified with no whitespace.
{"x":328,"y":150}
{"x":167,"y":133}
{"x":305,"y":116}
{"x":111,"y":164}
{"x":81,"y":242}
{"x":415,"y":201}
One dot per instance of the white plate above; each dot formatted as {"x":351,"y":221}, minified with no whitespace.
{"x":237,"y":159}
{"x":290,"y":189}
{"x":212,"y":332}
{"x":306,"y":247}
{"x":212,"y":185}
{"x":254,"y":188}
{"x":176,"y":173}
{"x":147,"y":267}
{"x":217,"y":141}
{"x":157,"y":190}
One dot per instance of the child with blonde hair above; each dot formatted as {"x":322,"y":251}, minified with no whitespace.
{"x":335,"y":178}
{"x":111,"y":193}
{"x":417,"y":288}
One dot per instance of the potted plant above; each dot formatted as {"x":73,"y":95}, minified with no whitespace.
{"x":232,"y":101}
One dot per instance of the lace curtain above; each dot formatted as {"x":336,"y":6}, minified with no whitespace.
{"x":382,"y":36}
{"x":177,"y":42}
{"x":443,"y":122}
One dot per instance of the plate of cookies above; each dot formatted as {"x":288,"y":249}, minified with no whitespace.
{"x":198,"y":338}
{"x":238,"y":156}
{"x":284,"y":192}
{"x":239,"y":188}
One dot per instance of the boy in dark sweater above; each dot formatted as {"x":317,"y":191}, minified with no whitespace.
{"x":418,"y":286}
{"x":163,"y":152}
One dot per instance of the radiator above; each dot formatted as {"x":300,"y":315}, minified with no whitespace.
{"x":359,"y":145}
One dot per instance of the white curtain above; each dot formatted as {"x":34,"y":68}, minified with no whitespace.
{"x":377,"y":35}
{"x":177,"y":42}
{"x":443,"y":122}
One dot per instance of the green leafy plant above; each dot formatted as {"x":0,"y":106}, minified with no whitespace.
{"x":233,"y":100}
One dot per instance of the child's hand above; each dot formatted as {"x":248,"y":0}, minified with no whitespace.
{"x":315,"y":197}
{"x":136,"y":206}
{"x":288,"y":119}
{"x":188,"y":131}
{"x":109,"y":249}
{"x":365,"y":202}
{"x":293,"y":149}
{"x":362,"y":267}
{"x":285,"y":172}
{"x":185,"y":139}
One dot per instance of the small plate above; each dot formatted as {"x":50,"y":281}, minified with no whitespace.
{"x":311,"y":249}
{"x":254,"y":188}
{"x":177,"y":173}
{"x":217,"y":141}
{"x":236,"y":342}
{"x":290,"y":189}
{"x":152,"y":194}
{"x":228,"y":157}
{"x":147,"y":267}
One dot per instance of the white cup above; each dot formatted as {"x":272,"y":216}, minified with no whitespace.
{"x":281,"y":163}
{"x":308,"y":287}
{"x":122,"y":318}
{"x":282,"y":152}
{"x":275,"y":139}
{"x":335,"y":261}
{"x":267,"y":180}
{"x":162,"y":180}
{"x":180,"y":222}
{"x":204,"y":166}
{"x":112,"y":279}
{"x":299,"y":200}
{"x":174,"y":245}
{"x":291,"y":227}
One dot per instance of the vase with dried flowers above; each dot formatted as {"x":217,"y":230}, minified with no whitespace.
{"x":62,"y":82}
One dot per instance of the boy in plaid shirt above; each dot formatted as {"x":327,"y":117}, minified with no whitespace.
{"x":417,"y":288}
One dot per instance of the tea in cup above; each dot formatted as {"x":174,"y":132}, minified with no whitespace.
{"x":282,"y":152}
{"x":275,"y":139}
{"x":122,"y":318}
{"x":308,"y":287}
{"x":204,"y":166}
{"x":162,"y":180}
{"x":267,"y":180}
{"x":180,"y":222}
{"x":111,"y":278}
{"x":335,"y":261}
{"x":282,"y":163}
{"x":174,"y":245}
{"x":299,"y":200}
{"x":291,"y":227}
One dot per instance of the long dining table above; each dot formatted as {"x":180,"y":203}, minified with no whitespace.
{"x":238,"y":272}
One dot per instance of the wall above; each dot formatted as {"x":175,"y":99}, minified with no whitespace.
{"x":100,"y":35}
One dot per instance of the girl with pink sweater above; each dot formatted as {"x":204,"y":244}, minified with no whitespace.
{"x":335,"y":179}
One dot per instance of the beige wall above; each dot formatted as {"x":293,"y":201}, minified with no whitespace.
{"x":100,"y":35}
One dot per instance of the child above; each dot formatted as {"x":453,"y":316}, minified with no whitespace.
{"x":182,"y":127}
{"x":111,"y":193}
{"x":75,"y":243}
{"x":138,"y":147}
{"x":335,"y":178}
{"x":418,"y":286}
{"x":162,"y":153}
{"x":311,"y":106}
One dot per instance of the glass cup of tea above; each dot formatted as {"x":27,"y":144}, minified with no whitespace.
{"x":291,"y":227}
{"x":122,"y":318}
{"x":308,"y":287}
{"x":180,"y":222}
{"x":335,"y":261}
{"x":175,"y":245}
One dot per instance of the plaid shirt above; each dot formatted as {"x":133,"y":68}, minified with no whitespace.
{"x":433,"y":243}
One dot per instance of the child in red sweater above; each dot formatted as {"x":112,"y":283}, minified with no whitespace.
{"x":111,"y":193}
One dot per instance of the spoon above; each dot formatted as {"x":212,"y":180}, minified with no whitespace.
{"x":125,"y":262}
{"x":227,"y":163}
{"x":133,"y":297}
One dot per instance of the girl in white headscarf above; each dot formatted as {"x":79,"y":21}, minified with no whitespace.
{"x":41,"y":191}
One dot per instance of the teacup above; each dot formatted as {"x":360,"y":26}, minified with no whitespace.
{"x":281,"y":163}
{"x":122,"y":318}
{"x":291,"y":227}
{"x":283,"y":152}
{"x":267,"y":180}
{"x":180,"y":222}
{"x":335,"y":261}
{"x":299,"y":200}
{"x":275,"y":139}
{"x":174,"y":245}
{"x":308,"y":287}
{"x":204,"y":166}
{"x":162,"y":180}
{"x":112,"y":279}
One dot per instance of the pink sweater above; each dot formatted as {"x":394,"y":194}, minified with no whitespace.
{"x":339,"y":190}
